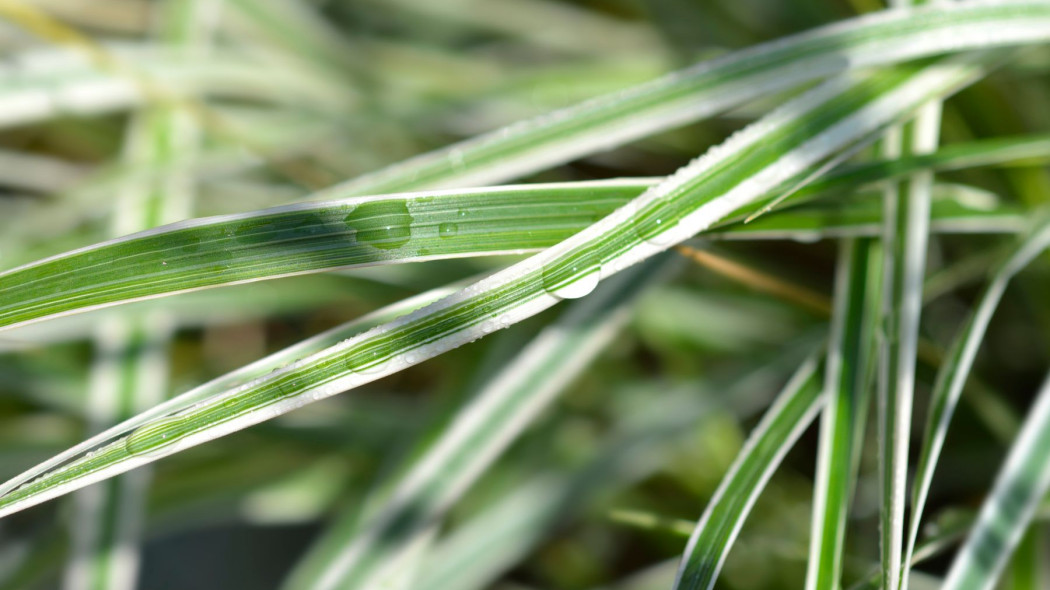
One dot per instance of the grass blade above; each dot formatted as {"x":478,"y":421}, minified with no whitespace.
{"x":314,"y":237}
{"x":795,"y":407}
{"x":952,"y":376}
{"x":308,"y":238}
{"x":1007,"y":512}
{"x":846,"y":388}
{"x":905,"y":240}
{"x":245,"y":374}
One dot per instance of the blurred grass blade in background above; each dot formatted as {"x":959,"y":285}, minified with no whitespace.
{"x":473,"y":555}
{"x":846,"y":388}
{"x":1007,"y":511}
{"x":953,"y":373}
{"x":130,"y":373}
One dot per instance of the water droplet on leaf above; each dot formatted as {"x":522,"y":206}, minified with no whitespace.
{"x":448,"y":230}
{"x":381,"y":224}
{"x":573,"y":278}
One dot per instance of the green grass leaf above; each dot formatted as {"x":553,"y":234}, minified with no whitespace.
{"x":792,"y":412}
{"x":952,"y":376}
{"x":846,"y":386}
{"x":1005,"y":515}
{"x":316,"y":237}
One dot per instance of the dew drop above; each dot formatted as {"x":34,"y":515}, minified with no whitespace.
{"x":381,"y":224}
{"x":655,"y":225}
{"x":448,"y":230}
{"x":573,"y":278}
{"x":155,"y":439}
{"x":658,"y":233}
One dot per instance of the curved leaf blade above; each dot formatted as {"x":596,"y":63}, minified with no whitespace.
{"x":846,"y":385}
{"x":792,"y":412}
{"x":952,"y":376}
{"x":1006,"y":513}
{"x":314,"y":237}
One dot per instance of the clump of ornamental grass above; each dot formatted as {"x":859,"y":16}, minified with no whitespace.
{"x":789,"y":299}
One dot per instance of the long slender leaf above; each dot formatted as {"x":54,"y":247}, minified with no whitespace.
{"x":1006,"y":513}
{"x":905,"y":238}
{"x":846,"y":390}
{"x":311,"y":237}
{"x":797,"y":136}
{"x":314,"y":237}
{"x":248,"y":373}
{"x":953,"y":374}
{"x":131,"y":371}
{"x":795,"y":407}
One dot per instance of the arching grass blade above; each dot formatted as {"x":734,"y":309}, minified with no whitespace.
{"x":953,"y":374}
{"x":846,"y":388}
{"x":1005,"y":515}
{"x":795,"y":407}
